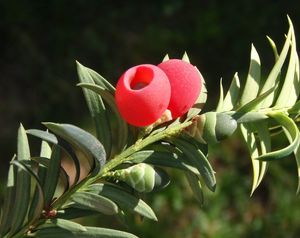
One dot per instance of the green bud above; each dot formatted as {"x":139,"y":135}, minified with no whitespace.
{"x":141,"y":177}
{"x":225,"y":126}
{"x":212,"y":127}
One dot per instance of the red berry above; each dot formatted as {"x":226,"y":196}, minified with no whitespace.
{"x":143,"y":94}
{"x":186,"y":83}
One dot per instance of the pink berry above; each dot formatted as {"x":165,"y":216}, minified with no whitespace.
{"x":186,"y":83}
{"x":142,"y":94}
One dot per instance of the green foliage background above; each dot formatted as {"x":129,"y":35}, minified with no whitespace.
{"x":40,"y":41}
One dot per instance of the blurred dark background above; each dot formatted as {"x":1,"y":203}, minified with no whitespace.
{"x":40,"y":41}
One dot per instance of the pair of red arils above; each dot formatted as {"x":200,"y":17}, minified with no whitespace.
{"x":144,"y":92}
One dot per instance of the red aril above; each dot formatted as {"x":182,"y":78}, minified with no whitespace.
{"x":186,"y":83}
{"x":143,"y":94}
